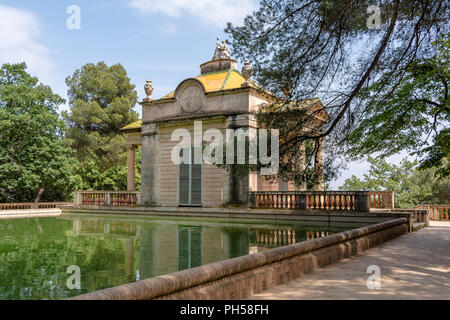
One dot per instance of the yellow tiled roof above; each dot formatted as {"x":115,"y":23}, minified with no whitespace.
{"x":133,"y":126}
{"x":216,"y":81}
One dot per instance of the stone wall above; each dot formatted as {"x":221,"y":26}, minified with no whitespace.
{"x":213,"y":177}
{"x":241,"y":277}
{"x":30,"y":213}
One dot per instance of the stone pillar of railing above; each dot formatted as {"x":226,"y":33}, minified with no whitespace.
{"x":138,"y":199}
{"x":301,"y":201}
{"x":252,"y":200}
{"x":390,"y":200}
{"x":107,"y":198}
{"x":426,"y":217}
{"x":77,"y":198}
{"x":362,"y":201}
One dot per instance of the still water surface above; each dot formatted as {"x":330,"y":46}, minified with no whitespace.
{"x":113,"y":250}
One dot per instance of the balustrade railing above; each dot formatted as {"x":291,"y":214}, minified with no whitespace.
{"x":107,"y":198}
{"x":381,"y":199}
{"x":275,"y":237}
{"x":311,"y":200}
{"x":437,"y":211}
{"x":33,"y":205}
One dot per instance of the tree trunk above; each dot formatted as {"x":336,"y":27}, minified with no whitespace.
{"x":38,"y":197}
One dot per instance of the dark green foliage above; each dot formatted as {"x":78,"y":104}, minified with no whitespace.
{"x":404,"y":115}
{"x":101,"y":102}
{"x":411,"y":186}
{"x":32,"y":155}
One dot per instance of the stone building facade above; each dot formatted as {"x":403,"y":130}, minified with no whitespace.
{"x":220,"y":97}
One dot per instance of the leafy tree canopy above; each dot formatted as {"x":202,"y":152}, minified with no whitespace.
{"x":411,"y":186}
{"x":409,"y":111}
{"x":325,"y":48}
{"x":32,"y":156}
{"x":101,"y":102}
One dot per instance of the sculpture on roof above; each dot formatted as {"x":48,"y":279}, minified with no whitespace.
{"x":222,"y":50}
{"x":148,"y":90}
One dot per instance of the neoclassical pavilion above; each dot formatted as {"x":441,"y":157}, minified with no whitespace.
{"x":220,"y":97}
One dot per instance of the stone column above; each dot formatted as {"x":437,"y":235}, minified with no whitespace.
{"x":319,"y":183}
{"x":129,"y":257}
{"x":150,"y":175}
{"x":301,"y":165}
{"x":131,"y":168}
{"x":236,"y":188}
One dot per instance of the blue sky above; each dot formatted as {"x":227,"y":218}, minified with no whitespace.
{"x":163,"y":40}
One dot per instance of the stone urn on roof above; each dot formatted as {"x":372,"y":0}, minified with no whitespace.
{"x":246,"y":73}
{"x":148,"y":87}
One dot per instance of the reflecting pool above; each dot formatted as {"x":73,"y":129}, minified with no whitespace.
{"x":35,"y":254}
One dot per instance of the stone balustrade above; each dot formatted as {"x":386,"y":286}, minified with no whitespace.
{"x":275,"y":237}
{"x":33,"y":205}
{"x":107,"y":198}
{"x":311,"y":200}
{"x":382,"y":200}
{"x":421,"y":216}
{"x":417,"y":215}
{"x":437,"y":211}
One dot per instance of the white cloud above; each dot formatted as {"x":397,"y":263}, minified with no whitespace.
{"x":216,"y":12}
{"x":19,"y":33}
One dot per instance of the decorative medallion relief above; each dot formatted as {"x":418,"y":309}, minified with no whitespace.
{"x":191,"y":98}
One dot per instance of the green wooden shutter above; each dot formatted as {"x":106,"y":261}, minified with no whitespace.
{"x":196,"y":181}
{"x":190,"y":181}
{"x":184,"y":180}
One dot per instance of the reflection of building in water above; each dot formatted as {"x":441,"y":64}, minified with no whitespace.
{"x":155,"y":248}
{"x":269,"y":238}
{"x":95,"y":226}
{"x":238,"y":242}
{"x":158,"y":250}
{"x":189,"y":247}
{"x":275,"y":237}
{"x":316,"y":234}
{"x":215,"y":245}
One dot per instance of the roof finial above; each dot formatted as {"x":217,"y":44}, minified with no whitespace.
{"x":148,"y":90}
{"x":222,"y":50}
{"x":246,"y":73}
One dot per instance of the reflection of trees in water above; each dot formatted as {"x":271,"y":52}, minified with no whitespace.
{"x":34,"y":264}
{"x":34,"y":257}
